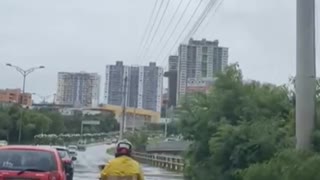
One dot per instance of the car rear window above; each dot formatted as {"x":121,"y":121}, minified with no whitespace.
{"x":63,"y":153}
{"x":27,"y":159}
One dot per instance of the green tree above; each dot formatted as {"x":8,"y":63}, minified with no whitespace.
{"x":237,"y":124}
{"x":138,"y":140}
{"x":73,"y":123}
{"x":57,"y":122}
{"x":15,"y":115}
{"x":108,"y":122}
{"x":5,"y":125}
{"x":35,"y":123}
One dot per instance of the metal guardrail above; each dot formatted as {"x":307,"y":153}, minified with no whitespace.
{"x":169,"y":162}
{"x":177,"y":146}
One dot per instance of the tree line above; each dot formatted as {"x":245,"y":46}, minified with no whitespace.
{"x":245,"y":131}
{"x":43,"y":121}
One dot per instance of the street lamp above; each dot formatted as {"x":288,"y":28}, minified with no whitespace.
{"x":24,"y":73}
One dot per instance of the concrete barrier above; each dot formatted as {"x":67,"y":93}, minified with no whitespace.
{"x":170,"y":146}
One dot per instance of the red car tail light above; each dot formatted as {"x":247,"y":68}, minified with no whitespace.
{"x":67,"y":161}
{"x":54,"y":176}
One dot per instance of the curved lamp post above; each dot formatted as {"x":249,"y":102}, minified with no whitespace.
{"x":24,"y":73}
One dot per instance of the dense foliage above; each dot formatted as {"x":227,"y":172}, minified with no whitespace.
{"x":172,"y":127}
{"x":138,"y":139}
{"x":48,"y":122}
{"x":243,"y":130}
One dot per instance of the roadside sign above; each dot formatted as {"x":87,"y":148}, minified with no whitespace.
{"x":90,"y":122}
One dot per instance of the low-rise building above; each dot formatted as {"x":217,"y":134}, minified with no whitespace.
{"x":15,"y":96}
{"x":135,"y":117}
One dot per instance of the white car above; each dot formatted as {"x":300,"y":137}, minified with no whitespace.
{"x":73,"y":153}
{"x":73,"y":150}
{"x":73,"y":147}
{"x":3,"y":143}
{"x":114,"y":140}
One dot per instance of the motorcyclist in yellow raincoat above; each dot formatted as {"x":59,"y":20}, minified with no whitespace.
{"x":122,"y":167}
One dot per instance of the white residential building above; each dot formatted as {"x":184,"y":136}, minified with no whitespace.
{"x":199,"y":62}
{"x":78,"y":89}
{"x":144,"y":86}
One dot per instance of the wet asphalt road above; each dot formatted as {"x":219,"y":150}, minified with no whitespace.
{"x":86,"y":166}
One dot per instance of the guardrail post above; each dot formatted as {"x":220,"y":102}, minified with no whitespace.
{"x":175,"y":164}
{"x":154,"y":160}
{"x":167,"y":162}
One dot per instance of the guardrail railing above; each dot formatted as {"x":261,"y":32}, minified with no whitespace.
{"x":169,"y":162}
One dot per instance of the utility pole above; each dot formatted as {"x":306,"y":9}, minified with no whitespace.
{"x":306,"y":73}
{"x":134,"y":119}
{"x":166,"y":123}
{"x":134,"y":113}
{"x":123,"y":107}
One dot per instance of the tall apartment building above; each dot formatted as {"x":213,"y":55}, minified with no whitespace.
{"x":78,"y":89}
{"x":198,"y":63}
{"x":114,"y":84}
{"x":144,"y":86}
{"x":171,"y":74}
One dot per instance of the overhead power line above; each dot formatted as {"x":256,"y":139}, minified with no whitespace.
{"x":175,"y":28}
{"x":157,"y":28}
{"x":201,"y":19}
{"x":197,"y":24}
{"x":149,"y":22}
{"x":171,"y":20}
{"x":150,"y":31}
{"x":186,"y":26}
{"x":208,"y":21}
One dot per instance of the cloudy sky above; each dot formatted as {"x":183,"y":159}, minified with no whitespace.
{"x":86,"y":35}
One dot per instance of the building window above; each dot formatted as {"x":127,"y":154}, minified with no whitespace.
{"x":204,"y":64}
{"x":204,"y":50}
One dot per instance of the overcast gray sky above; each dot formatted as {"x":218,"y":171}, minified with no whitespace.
{"x":86,"y":35}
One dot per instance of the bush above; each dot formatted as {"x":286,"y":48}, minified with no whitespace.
{"x":69,"y":138}
{"x":286,"y":165}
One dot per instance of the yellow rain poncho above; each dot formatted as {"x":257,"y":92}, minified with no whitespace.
{"x":122,"y":167}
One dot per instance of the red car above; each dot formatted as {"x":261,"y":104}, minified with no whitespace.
{"x":30,"y":162}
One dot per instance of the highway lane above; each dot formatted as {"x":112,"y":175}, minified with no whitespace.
{"x":86,"y":166}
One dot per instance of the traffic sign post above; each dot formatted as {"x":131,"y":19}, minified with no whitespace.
{"x":88,"y":122}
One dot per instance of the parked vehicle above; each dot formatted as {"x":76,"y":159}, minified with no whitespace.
{"x":67,"y":160}
{"x":3,"y":143}
{"x":114,"y":140}
{"x":108,"y":142}
{"x":73,"y":147}
{"x":73,"y":153}
{"x":81,"y":146}
{"x":30,"y":162}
